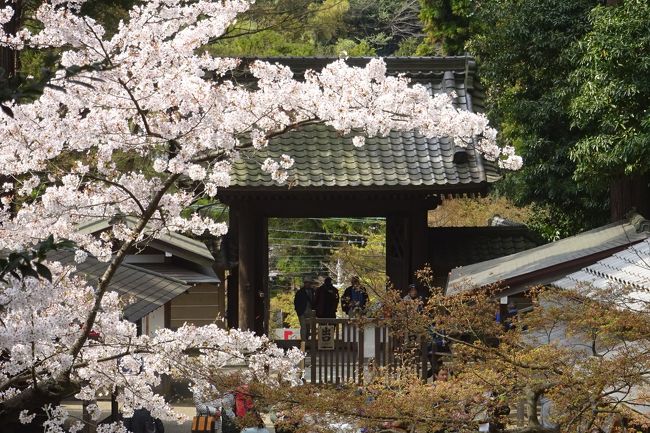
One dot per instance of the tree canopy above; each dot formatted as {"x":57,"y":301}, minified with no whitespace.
{"x":611,"y":105}
{"x":525,"y":51}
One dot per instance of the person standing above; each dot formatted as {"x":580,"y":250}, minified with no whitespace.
{"x":327,"y":300}
{"x":413,"y":294}
{"x":355,"y":298}
{"x":303,"y":303}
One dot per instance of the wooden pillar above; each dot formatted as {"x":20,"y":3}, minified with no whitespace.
{"x":253,"y":271}
{"x":232,"y":308}
{"x":406,"y":247}
{"x":417,"y":241}
{"x":397,"y":251}
{"x":232,"y":258}
{"x":262,"y":295}
{"x":248,"y":253}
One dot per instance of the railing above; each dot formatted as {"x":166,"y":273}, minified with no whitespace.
{"x":342,"y":350}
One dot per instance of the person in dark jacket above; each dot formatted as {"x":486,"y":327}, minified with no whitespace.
{"x":327,"y":300}
{"x":143,"y":422}
{"x":303,"y":303}
{"x":355,"y":298}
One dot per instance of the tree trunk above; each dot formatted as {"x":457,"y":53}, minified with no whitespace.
{"x":9,"y":57}
{"x":9,"y":65}
{"x":628,"y":193}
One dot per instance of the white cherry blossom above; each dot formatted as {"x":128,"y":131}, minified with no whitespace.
{"x":148,"y":126}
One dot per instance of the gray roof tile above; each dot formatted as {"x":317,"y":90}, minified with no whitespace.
{"x":629,"y":268}
{"x":324,"y":158}
{"x":149,"y":291}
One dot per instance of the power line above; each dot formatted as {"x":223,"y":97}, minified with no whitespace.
{"x":369,"y":220}
{"x":315,"y":240}
{"x":302,"y":246}
{"x":318,"y":233}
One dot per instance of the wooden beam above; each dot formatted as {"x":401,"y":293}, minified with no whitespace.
{"x":321,"y":204}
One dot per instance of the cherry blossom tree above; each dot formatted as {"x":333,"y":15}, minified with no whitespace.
{"x":143,"y":124}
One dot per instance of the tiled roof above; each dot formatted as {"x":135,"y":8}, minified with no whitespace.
{"x":192,"y":249}
{"x":559,"y":253}
{"x":325,"y":159}
{"x":150,"y":291}
{"x":629,"y":267}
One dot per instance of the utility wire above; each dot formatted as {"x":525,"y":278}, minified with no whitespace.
{"x":317,"y":233}
{"x":317,"y":240}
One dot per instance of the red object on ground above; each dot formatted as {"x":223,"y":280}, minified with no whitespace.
{"x":243,"y":402}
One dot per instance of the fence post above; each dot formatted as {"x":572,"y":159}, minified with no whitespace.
{"x":361,"y":358}
{"x":312,"y":347}
{"x":424,"y":357}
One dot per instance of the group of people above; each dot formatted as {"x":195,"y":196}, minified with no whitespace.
{"x":236,"y":411}
{"x":312,"y":300}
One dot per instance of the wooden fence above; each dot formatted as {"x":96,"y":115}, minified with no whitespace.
{"x":342,"y":351}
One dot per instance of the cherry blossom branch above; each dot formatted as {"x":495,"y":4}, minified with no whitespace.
{"x":105,"y":279}
{"x":121,"y":187}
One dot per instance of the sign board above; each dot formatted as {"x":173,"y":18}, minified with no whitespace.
{"x":326,"y":337}
{"x":287,"y":333}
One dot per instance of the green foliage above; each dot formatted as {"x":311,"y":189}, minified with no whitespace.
{"x":448,"y":24}
{"x":366,"y":260}
{"x":265,"y":43}
{"x":408,"y":47}
{"x":384,"y":24}
{"x":326,"y":21}
{"x":108,"y":13}
{"x":612,"y":105}
{"x":283,"y":302}
{"x":524,"y":50}
{"x":22,"y":264}
{"x":353,"y":49}
{"x":321,"y":28}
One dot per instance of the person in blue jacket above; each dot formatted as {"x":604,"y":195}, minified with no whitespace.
{"x":355,"y":298}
